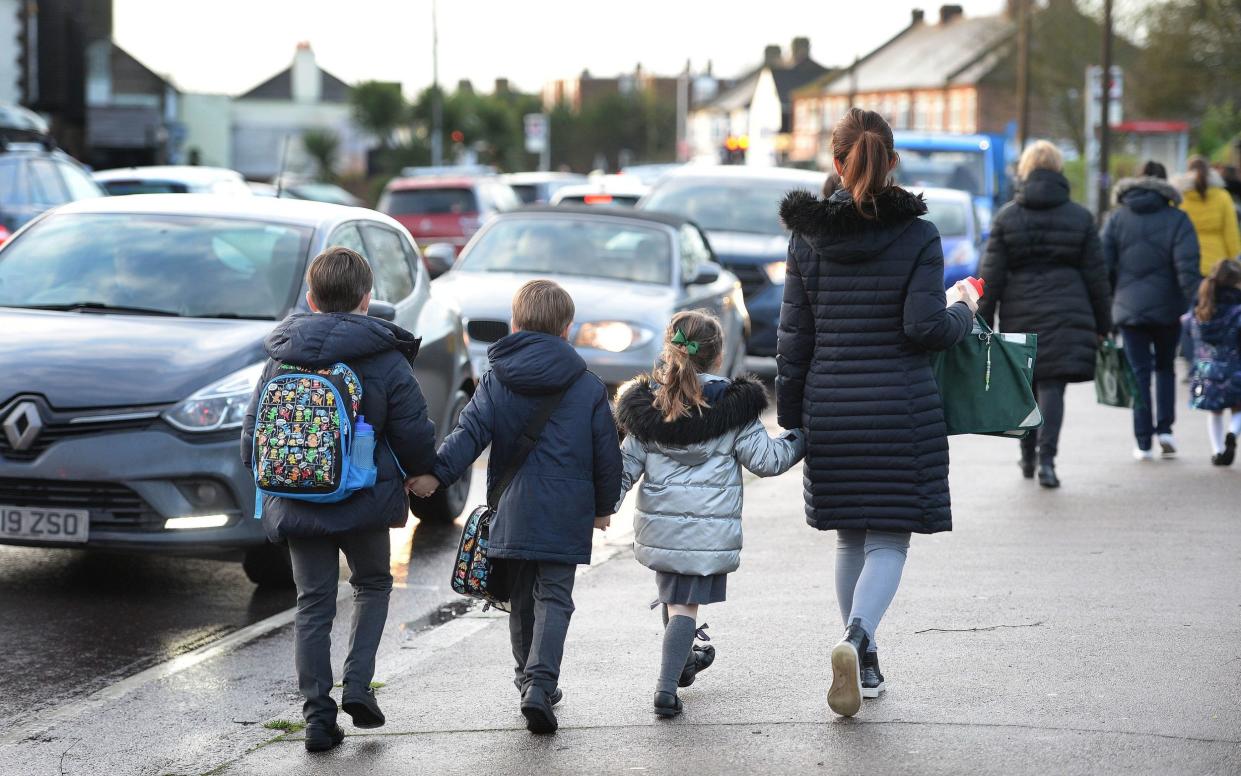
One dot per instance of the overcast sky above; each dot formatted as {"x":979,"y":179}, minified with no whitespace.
{"x":229,"y":46}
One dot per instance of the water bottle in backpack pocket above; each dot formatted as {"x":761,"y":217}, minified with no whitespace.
{"x":310,"y":444}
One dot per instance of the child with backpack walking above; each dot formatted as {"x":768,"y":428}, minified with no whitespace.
{"x":335,"y":420}
{"x":689,"y":434}
{"x":1215,"y":384}
{"x":567,"y":486}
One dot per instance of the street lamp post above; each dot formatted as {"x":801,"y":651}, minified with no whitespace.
{"x":437,"y":99}
{"x":1105,"y":128}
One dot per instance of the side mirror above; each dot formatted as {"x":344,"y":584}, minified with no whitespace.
{"x":439,"y":258}
{"x":381,"y":310}
{"x":708,"y":273}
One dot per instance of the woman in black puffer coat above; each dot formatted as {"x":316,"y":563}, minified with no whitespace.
{"x":1151,"y":251}
{"x":1045,"y":275}
{"x":864,"y":302}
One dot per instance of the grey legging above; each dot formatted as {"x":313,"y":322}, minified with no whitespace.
{"x":868,"y":571}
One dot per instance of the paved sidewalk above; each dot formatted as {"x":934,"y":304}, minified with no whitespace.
{"x":1096,"y":629}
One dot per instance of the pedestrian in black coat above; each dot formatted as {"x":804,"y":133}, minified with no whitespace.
{"x":1045,"y":275}
{"x":1151,"y":252}
{"x":864,"y":303}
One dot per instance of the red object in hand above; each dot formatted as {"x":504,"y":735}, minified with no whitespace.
{"x":978,"y":284}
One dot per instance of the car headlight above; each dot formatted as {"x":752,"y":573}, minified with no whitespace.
{"x":611,"y":336}
{"x":962,"y":254}
{"x":775,"y":272}
{"x":219,"y":406}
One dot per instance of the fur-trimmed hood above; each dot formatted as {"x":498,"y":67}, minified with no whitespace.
{"x":739,"y":403}
{"x":1129,"y":189}
{"x":810,"y":216}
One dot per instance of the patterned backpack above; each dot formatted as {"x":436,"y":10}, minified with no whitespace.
{"x":305,"y":436}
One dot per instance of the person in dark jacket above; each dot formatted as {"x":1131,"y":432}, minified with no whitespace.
{"x":569,"y":484}
{"x":1045,"y":275}
{"x":1151,"y":252}
{"x":381,"y":354}
{"x":864,"y":303}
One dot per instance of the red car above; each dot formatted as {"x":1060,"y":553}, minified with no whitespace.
{"x":446,"y":209}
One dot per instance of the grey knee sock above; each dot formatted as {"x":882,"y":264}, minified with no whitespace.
{"x":678,"y":641}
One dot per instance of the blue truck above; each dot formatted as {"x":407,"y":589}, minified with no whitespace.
{"x":978,"y":164}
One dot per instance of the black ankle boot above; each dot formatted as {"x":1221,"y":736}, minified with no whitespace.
{"x":1047,"y":476}
{"x":872,"y":677}
{"x":1027,"y":465}
{"x":845,"y":695}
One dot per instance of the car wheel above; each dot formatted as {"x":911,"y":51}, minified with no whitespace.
{"x":447,"y":503}
{"x":269,"y":565}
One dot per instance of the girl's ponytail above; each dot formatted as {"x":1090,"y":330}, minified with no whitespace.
{"x":1201,"y":171}
{"x":863,"y":146}
{"x":692,"y":344}
{"x":1227,"y":274}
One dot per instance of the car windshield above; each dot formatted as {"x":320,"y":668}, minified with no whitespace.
{"x":950,"y":217}
{"x":429,"y":202}
{"x":582,"y":247}
{"x":118,"y":188}
{"x":960,"y":170}
{"x":180,"y":265}
{"x":724,"y":205}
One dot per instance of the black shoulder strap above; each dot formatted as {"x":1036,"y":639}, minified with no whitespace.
{"x":525,"y":443}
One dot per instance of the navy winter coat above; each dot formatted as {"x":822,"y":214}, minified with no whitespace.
{"x":1151,"y":251}
{"x":863,"y":305}
{"x":574,"y":472}
{"x":1045,"y":274}
{"x":381,"y":354}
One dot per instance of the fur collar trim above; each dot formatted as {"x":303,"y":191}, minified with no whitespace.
{"x":806,"y":214}
{"x":743,"y":401}
{"x":1157,"y":185}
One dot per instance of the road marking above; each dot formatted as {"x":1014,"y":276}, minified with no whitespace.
{"x":176,"y":665}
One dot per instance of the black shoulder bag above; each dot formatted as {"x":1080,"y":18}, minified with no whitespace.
{"x":475,"y":575}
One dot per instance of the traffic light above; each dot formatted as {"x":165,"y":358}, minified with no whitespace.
{"x":457,"y":136}
{"x":735,"y":147}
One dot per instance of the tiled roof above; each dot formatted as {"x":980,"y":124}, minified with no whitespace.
{"x":280,"y":87}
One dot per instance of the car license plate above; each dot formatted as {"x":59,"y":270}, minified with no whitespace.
{"x":38,"y":524}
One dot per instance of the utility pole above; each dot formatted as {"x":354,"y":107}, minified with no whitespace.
{"x":437,"y":99}
{"x":1023,"y":73}
{"x":682,"y":153}
{"x":1105,"y":128}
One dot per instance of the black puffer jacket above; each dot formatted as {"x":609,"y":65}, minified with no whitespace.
{"x":863,"y":305}
{"x":1044,"y":271}
{"x":1151,"y":252}
{"x":382,"y":355}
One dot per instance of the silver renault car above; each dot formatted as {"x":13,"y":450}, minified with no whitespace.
{"x":133,"y":333}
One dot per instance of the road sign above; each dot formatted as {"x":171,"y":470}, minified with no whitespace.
{"x":536,"y":132}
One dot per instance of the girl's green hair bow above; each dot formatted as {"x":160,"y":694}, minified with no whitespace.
{"x":691,"y":346}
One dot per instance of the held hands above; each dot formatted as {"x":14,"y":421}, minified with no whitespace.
{"x":423,"y":485}
{"x":963,"y":291}
{"x":602,"y":523}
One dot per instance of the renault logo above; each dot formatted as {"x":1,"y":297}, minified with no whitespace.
{"x":22,"y":425}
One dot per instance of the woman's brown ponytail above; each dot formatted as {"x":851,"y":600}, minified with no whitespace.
{"x":692,"y":344}
{"x":862,"y":144}
{"x":1201,"y":170}
{"x":1227,"y":274}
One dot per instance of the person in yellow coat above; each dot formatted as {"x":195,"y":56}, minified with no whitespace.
{"x":1210,"y":208}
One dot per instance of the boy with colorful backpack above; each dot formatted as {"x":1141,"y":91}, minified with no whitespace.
{"x":569,"y":483}
{"x":335,"y":423}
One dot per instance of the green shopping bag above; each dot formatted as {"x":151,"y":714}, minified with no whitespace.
{"x":986,"y":382}
{"x":1115,"y":385}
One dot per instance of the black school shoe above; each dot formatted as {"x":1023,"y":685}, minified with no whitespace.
{"x":700,"y":659}
{"x":363,"y":708}
{"x":872,"y":677}
{"x":1047,"y":476}
{"x":667,"y":704}
{"x":1230,"y":451}
{"x":536,"y":707}
{"x":845,"y":695}
{"x":321,"y":738}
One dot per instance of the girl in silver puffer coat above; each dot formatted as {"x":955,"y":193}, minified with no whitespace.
{"x":689,"y":433}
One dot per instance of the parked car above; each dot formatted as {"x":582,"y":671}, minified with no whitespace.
{"x":650,"y":174}
{"x":446,"y":209}
{"x":738,"y":207}
{"x":34,"y":174}
{"x":176,"y":179}
{"x":315,"y":191}
{"x":134,"y":331}
{"x":611,"y":190}
{"x":538,"y":188}
{"x":628,"y":272}
{"x":955,"y":214}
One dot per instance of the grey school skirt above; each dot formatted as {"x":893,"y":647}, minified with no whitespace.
{"x":686,"y":589}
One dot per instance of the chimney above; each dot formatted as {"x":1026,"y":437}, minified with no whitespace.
{"x":464,"y":86}
{"x":948,"y":13}
{"x":771,"y":56}
{"x":917,"y":16}
{"x":501,"y":86}
{"x":800,"y":50}
{"x":307,"y":80}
